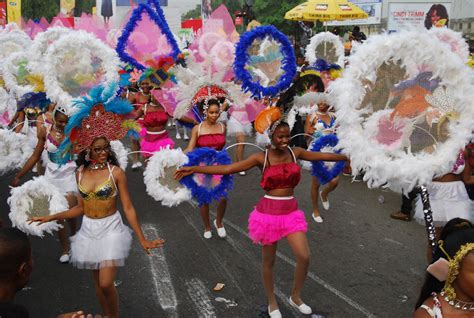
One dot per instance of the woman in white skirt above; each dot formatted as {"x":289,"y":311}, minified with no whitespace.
{"x":103,"y":241}
{"x":238,"y":126}
{"x":60,"y":169}
{"x":448,"y":197}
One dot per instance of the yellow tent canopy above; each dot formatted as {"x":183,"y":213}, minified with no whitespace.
{"x":326,"y":10}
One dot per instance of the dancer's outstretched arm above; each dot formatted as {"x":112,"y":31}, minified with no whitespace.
{"x":252,"y":161}
{"x":301,"y":153}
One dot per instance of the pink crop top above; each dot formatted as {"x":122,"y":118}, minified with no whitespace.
{"x":280,"y":176}
{"x":215,"y":141}
{"x":153,"y":119}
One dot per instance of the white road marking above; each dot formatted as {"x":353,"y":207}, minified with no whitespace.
{"x":280,"y":295}
{"x":216,"y":257}
{"x":393,"y":241}
{"x":161,"y":275}
{"x":228,"y":302}
{"x":312,"y":276}
{"x":197,"y":291}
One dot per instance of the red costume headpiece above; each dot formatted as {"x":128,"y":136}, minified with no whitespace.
{"x":98,"y":124}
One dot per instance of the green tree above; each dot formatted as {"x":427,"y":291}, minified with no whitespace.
{"x":84,"y":6}
{"x":36,"y":9}
{"x":232,"y":5}
{"x":265,"y":11}
{"x":192,"y":14}
{"x":273,"y":12}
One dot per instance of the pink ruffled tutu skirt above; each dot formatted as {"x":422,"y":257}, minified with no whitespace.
{"x":154,"y":141}
{"x":273,"y":219}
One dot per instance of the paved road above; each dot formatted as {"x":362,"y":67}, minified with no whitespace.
{"x":363,"y":263}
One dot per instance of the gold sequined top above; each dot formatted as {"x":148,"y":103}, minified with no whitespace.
{"x":100,"y":202}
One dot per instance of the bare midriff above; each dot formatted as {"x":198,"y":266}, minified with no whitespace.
{"x":98,"y":209}
{"x":288,"y":192}
{"x":450,"y":177}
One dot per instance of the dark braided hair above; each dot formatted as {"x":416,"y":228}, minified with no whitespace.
{"x":455,"y":233}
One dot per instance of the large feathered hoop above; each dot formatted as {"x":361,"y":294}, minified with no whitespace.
{"x":396,"y":155}
{"x":242,"y":59}
{"x":159,"y":177}
{"x":207,"y":188}
{"x":326,"y":171}
{"x":16,"y":74}
{"x":14,"y":150}
{"x":35,"y":198}
{"x":37,"y":51}
{"x":323,"y":38}
{"x":14,"y":41}
{"x":157,"y":16}
{"x":92,"y":63}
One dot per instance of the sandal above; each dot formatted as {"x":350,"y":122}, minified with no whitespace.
{"x":399,"y":215}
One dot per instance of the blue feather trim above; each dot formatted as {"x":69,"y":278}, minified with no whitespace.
{"x":156,"y":15}
{"x":319,"y":170}
{"x":31,"y":99}
{"x":242,"y":57}
{"x":321,"y":66}
{"x":208,"y":157}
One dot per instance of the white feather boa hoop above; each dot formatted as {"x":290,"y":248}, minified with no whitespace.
{"x":397,"y":168}
{"x":122,"y":153}
{"x":90,"y":46}
{"x":323,"y":37}
{"x":37,"y":51}
{"x":14,"y":150}
{"x":14,"y":41}
{"x":155,"y":171}
{"x":192,"y":78}
{"x":453,"y":40}
{"x":308,"y":103}
{"x":23,"y":199}
{"x":10,"y":73}
{"x":7,"y":107}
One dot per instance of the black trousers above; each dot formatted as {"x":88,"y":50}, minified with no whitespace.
{"x":407,"y":202}
{"x":470,"y":191}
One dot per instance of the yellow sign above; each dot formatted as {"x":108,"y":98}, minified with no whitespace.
{"x":14,"y":11}
{"x":67,"y":7}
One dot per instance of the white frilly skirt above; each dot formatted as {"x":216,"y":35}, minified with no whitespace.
{"x":62,"y":176}
{"x":101,"y":243}
{"x":448,"y":200}
{"x":235,"y":127}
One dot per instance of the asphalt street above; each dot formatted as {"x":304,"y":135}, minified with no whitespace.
{"x":363,"y":263}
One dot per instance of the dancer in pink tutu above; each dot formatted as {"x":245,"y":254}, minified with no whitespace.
{"x":276,"y":215}
{"x":154,"y":134}
{"x":139,"y":100}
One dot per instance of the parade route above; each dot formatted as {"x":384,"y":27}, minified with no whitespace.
{"x":363,"y":263}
